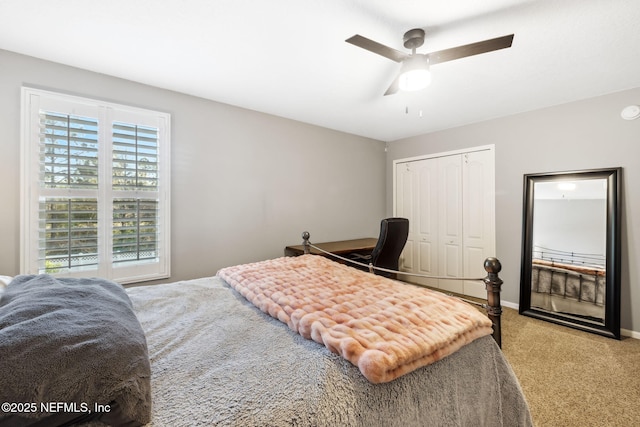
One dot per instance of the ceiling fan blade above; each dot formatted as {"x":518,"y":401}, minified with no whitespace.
{"x":470,"y":49}
{"x":395,"y":86}
{"x":375,"y":47}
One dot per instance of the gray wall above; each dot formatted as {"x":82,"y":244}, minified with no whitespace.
{"x":245,"y":184}
{"x":580,"y":135}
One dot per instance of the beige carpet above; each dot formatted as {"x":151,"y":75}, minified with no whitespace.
{"x":573,"y":378}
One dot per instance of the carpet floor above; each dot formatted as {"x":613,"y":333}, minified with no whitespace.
{"x":570,"y":377}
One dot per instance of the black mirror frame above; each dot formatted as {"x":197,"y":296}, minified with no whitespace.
{"x":611,"y":326}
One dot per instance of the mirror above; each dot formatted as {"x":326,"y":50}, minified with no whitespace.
{"x":571,"y":249}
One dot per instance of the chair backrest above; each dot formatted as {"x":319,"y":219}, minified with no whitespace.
{"x":393,"y":237}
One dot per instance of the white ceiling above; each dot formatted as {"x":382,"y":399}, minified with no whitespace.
{"x":289,"y":57}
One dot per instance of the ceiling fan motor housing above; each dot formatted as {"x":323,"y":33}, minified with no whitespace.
{"x":413,"y":39}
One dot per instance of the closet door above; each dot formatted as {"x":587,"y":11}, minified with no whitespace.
{"x":417,"y":200}
{"x":406,"y":182}
{"x":426,"y":221}
{"x":478,"y":220}
{"x":450,"y":205}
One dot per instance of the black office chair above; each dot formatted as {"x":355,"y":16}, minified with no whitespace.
{"x":386,"y":254}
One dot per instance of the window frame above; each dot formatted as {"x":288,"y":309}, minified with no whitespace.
{"x":106,"y":113}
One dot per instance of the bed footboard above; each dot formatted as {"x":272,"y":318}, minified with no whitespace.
{"x":493,"y":285}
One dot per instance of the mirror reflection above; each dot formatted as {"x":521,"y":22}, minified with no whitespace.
{"x":568,"y":273}
{"x":570,"y":253}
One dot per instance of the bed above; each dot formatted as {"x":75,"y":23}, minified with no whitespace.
{"x":215,"y":358}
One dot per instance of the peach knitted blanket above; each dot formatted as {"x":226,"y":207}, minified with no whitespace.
{"x":386,"y":328}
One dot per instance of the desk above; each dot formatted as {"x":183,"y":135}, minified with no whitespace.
{"x":343,"y":247}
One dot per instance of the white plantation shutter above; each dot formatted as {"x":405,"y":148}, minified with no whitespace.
{"x":135,"y":168}
{"x":70,"y":150}
{"x":68,"y":226}
{"x":95,"y":188}
{"x":135,"y":157}
{"x":135,"y":229}
{"x":68,"y":235}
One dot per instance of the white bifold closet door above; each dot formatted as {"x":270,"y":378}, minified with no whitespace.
{"x":449,"y":200}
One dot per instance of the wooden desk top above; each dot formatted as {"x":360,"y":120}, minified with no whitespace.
{"x":340,"y":247}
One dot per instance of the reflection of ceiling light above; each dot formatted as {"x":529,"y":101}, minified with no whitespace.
{"x":631,"y":112}
{"x":567,"y":186}
{"x":414,"y":73}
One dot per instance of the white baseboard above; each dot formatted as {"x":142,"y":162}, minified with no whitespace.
{"x":631,"y":334}
{"x":623,"y":332}
{"x":510,"y":304}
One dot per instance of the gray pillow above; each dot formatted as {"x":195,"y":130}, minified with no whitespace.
{"x":73,"y":341}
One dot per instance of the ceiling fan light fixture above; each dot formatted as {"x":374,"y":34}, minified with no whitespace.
{"x":414,"y":73}
{"x":414,"y":80}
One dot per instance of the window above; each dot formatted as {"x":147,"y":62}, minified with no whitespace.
{"x":95,"y":188}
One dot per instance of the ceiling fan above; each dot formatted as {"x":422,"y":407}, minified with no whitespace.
{"x":414,"y":71}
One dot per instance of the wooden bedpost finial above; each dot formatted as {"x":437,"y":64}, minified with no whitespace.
{"x":493,"y":284}
{"x":305,"y":241}
{"x":492,"y":265}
